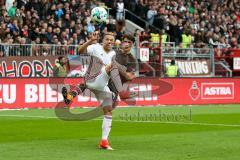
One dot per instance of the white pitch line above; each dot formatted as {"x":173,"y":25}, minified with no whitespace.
{"x":180,"y":123}
{"x":24,"y":116}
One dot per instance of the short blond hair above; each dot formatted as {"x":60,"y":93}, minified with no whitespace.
{"x":109,"y":33}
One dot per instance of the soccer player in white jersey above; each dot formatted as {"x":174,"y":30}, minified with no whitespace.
{"x":102,"y":67}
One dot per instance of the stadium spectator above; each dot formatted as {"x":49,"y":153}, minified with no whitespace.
{"x":12,"y":10}
{"x":9,"y":4}
{"x":120,"y":10}
{"x":60,"y":68}
{"x":186,"y":39}
{"x":163,"y":37}
{"x":155,"y":37}
{"x":173,"y":70}
{"x":206,"y":20}
{"x":151,"y":14}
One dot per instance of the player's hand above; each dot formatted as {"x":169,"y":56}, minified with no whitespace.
{"x":94,"y":37}
{"x":108,"y":68}
{"x":130,"y":76}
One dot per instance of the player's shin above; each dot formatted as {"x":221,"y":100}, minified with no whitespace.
{"x":106,"y":126}
{"x":107,"y":122}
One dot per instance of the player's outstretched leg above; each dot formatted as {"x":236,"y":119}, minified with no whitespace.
{"x":74,"y":91}
{"x":116,"y":79}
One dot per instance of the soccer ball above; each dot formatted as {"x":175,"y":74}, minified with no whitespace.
{"x":99,"y":15}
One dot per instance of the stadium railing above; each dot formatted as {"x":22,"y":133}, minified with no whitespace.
{"x":37,"y":49}
{"x":160,"y":55}
{"x":227,"y":65}
{"x":229,"y":57}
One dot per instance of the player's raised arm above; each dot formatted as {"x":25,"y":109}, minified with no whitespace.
{"x":93,"y":39}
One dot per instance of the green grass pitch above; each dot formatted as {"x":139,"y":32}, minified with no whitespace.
{"x":198,"y":133}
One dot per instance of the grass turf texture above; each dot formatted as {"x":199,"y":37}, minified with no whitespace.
{"x":211,"y":134}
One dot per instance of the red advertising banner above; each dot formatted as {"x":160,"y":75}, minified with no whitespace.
{"x":42,"y":66}
{"x":45,"y":92}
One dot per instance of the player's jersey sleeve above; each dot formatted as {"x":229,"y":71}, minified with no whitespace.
{"x":91,"y":49}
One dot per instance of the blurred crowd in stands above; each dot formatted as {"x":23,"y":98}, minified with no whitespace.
{"x":62,"y":22}
{"x":199,"y":22}
{"x":187,"y":23}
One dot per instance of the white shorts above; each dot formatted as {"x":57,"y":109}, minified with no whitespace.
{"x":100,"y":88}
{"x":105,"y":97}
{"x":100,"y":82}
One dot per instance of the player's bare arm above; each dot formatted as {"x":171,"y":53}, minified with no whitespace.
{"x":93,"y":39}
